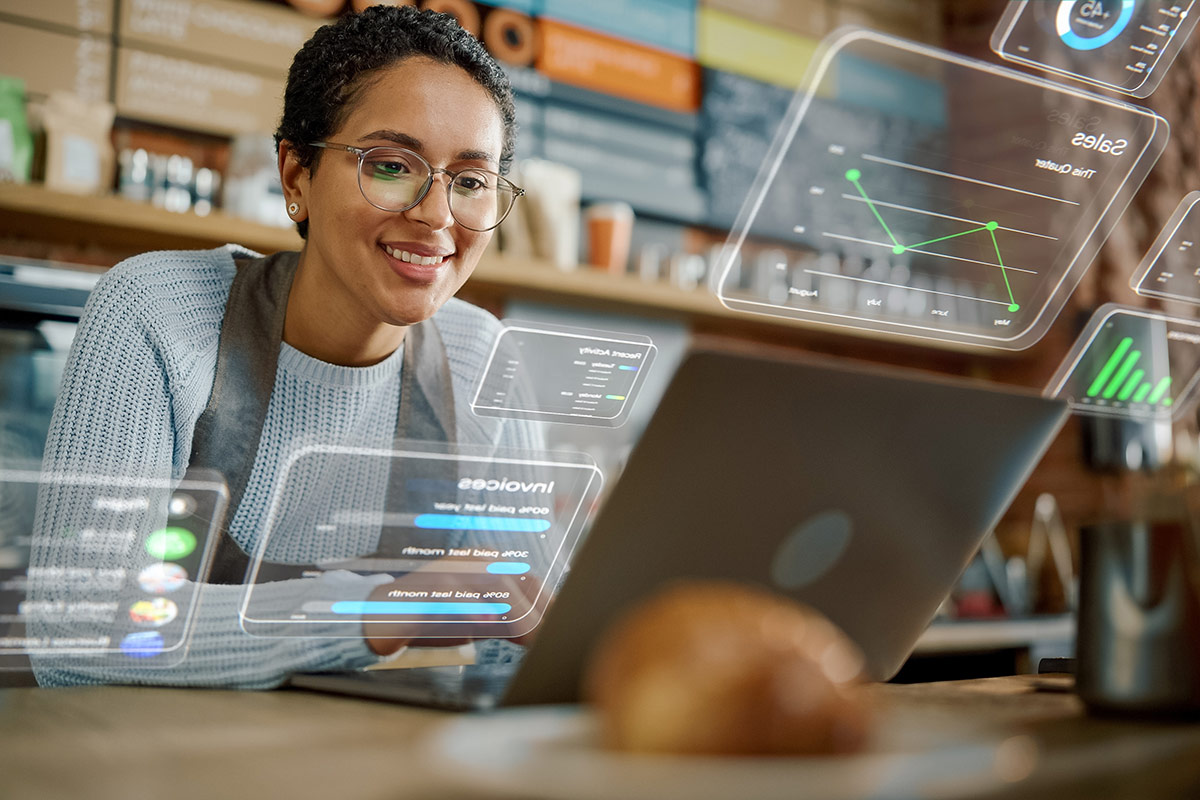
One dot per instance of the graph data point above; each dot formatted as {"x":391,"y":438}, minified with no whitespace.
{"x":991,"y":226}
{"x":1014,"y":308}
{"x":898,"y":249}
{"x":853,"y":174}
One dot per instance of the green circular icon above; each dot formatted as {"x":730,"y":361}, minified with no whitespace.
{"x":171,"y":544}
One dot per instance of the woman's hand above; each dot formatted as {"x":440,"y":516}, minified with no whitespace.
{"x":388,"y":637}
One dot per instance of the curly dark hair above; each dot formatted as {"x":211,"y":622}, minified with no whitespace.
{"x":330,"y":69}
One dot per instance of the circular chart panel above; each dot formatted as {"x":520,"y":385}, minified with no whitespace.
{"x":1121,"y":45}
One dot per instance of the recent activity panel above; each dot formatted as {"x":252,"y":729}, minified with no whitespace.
{"x":556,"y":374}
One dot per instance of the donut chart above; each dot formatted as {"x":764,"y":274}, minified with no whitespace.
{"x":1120,"y":45}
{"x":1091,"y":24}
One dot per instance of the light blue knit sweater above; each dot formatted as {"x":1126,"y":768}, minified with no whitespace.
{"x":138,"y":377}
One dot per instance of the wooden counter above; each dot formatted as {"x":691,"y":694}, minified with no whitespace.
{"x":118,"y":742}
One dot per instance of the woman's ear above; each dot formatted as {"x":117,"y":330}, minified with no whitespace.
{"x":295,"y":180}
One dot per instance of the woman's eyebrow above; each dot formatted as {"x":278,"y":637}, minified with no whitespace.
{"x":402,"y":139}
{"x":412,"y":143}
{"x":476,"y":155}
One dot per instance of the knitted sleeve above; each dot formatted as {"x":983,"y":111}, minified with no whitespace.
{"x":132,"y":381}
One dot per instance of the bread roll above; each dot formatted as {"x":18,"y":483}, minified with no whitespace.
{"x":715,"y":667}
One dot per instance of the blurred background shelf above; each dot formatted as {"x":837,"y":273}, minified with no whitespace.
{"x":128,"y":226}
{"x":31,"y":211}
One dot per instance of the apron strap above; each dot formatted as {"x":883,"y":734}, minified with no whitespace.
{"x":228,"y":433}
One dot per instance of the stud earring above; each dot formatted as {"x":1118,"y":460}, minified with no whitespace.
{"x":293,"y":209}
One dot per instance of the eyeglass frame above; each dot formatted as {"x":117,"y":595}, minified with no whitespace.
{"x":361,"y":153}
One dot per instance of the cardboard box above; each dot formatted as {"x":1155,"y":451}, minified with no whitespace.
{"x":667,"y":24}
{"x":50,"y":62}
{"x":616,"y":67}
{"x":623,"y":135}
{"x":905,"y":18}
{"x":734,"y":44}
{"x":91,"y":16}
{"x":525,"y":6}
{"x":807,"y":17}
{"x":198,"y":96}
{"x":237,"y":32}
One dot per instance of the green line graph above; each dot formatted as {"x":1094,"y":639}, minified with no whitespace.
{"x":1118,"y":378}
{"x":855,"y":177}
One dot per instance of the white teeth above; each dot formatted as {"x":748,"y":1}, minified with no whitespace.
{"x":411,"y":258}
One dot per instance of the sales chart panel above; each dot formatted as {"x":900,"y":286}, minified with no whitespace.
{"x":916,"y":192}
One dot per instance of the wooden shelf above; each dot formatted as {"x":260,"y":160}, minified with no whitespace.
{"x":538,"y":279}
{"x":29,"y":211}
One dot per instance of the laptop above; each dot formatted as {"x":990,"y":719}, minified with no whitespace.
{"x":862,"y":492}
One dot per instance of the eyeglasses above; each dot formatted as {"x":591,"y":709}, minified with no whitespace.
{"x":397,"y":179}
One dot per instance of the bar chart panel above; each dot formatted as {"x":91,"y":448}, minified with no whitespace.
{"x":1131,"y":363}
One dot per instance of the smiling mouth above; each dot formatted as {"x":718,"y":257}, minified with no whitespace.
{"x":413,"y":258}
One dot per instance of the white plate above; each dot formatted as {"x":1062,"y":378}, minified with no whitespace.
{"x":553,"y":752}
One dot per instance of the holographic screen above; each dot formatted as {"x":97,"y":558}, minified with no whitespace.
{"x":455,"y":545}
{"x":552,"y":373}
{"x":1171,"y":268}
{"x":107,"y":572}
{"x":915,"y":192}
{"x":1122,"y":46}
{"x":1131,"y":363}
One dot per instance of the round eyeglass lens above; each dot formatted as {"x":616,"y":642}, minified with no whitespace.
{"x":479,"y":199}
{"x":392,"y":179}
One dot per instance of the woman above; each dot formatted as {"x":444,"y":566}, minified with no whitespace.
{"x":395,"y":126}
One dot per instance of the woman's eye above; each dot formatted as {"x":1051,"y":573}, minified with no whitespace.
{"x":390,"y":168}
{"x":471,"y":183}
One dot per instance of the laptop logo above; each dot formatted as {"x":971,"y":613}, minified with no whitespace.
{"x":811,"y":549}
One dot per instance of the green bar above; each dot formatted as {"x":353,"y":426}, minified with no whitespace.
{"x":1131,"y":385}
{"x":1141,"y":393}
{"x":1109,"y":366}
{"x":1159,"y":391}
{"x":1119,"y":378}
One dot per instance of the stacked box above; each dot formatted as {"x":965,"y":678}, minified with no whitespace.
{"x":909,"y":19}
{"x":666,"y":24}
{"x":648,"y":165}
{"x":77,"y":16}
{"x":619,"y":147}
{"x":52,"y":61}
{"x":603,"y":64}
{"x":198,"y":96}
{"x":259,"y":36}
{"x":738,"y":121}
{"x":809,"y":18}
{"x":734,"y":44}
{"x":524,"y":6}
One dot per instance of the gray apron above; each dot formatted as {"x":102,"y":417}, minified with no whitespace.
{"x":227,"y":434}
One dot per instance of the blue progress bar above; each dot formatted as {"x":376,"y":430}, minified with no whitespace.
{"x":627,"y":369}
{"x":411,"y":607}
{"x":508,"y":568}
{"x":464,"y":522}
